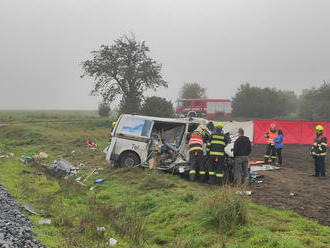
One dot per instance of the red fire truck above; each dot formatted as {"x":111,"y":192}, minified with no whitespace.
{"x":209,"y":108}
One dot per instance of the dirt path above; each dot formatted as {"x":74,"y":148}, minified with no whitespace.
{"x":312,"y":195}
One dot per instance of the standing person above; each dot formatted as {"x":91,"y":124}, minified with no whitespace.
{"x":319,"y":151}
{"x":279,"y":146}
{"x":270,"y":154}
{"x":216,"y":151}
{"x":242,"y":149}
{"x":196,"y":155}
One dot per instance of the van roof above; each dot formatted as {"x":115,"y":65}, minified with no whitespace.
{"x":161,"y":119}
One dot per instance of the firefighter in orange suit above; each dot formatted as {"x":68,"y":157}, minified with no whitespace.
{"x":196,"y":156}
{"x":270,"y":155}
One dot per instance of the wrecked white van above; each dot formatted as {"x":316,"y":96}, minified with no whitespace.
{"x":157,"y":143}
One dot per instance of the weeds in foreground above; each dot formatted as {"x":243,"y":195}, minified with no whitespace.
{"x":225,"y":209}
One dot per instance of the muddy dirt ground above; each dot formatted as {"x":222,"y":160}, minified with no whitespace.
{"x":311,"y":195}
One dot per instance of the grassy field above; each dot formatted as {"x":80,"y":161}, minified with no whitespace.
{"x":137,"y":207}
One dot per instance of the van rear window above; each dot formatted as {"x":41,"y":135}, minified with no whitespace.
{"x":137,"y":127}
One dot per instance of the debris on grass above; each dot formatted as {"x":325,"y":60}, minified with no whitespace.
{"x":30,"y":209}
{"x":91,"y":143}
{"x":112,"y":242}
{"x":244,"y":192}
{"x":25,"y":159}
{"x":100,"y":228}
{"x":45,"y":222}
{"x":63,"y":167}
{"x":99,"y":181}
{"x":40,"y":156}
{"x":32,"y":172}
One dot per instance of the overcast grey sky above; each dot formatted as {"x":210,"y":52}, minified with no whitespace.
{"x":221,"y":44}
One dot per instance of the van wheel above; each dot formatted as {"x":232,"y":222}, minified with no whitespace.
{"x":128,"y":160}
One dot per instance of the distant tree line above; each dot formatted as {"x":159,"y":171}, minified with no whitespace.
{"x":124,"y":71}
{"x":255,"y":102}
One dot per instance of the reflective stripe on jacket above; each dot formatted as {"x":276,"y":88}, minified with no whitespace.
{"x":320,"y":146}
{"x":196,"y":143}
{"x":216,"y":144}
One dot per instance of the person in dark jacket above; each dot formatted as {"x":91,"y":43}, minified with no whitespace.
{"x":278,"y":140}
{"x":319,"y":151}
{"x":242,"y":149}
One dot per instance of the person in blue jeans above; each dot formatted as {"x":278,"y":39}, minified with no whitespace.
{"x":279,"y":146}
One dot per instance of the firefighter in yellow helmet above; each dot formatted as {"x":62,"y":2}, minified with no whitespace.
{"x":216,"y":153}
{"x":319,"y":151}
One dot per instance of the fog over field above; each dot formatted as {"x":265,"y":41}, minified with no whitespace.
{"x":220,"y":44}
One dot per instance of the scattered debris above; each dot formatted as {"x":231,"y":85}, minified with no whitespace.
{"x":30,"y":209}
{"x":292,"y":194}
{"x":89,"y":175}
{"x":32,"y":172}
{"x":112,"y":242}
{"x":25,"y":159}
{"x":63,"y":168}
{"x":101,"y":229}
{"x":6,"y":155}
{"x":264,"y":167}
{"x":99,"y":181}
{"x":73,"y":152}
{"x":45,"y":222}
{"x":39,"y":156}
{"x":244,"y":193}
{"x":91,"y":143}
{"x":91,"y":188}
{"x":81,"y":165}
{"x":260,"y":181}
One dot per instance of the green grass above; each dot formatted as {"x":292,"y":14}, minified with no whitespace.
{"x":139,"y":208}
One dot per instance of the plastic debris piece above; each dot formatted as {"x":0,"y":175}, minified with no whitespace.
{"x":91,"y":143}
{"x":91,"y":188}
{"x":89,"y":175}
{"x":260,"y":181}
{"x":63,"y":167}
{"x":43,"y":155}
{"x":25,"y":159}
{"x":45,"y":222}
{"x":30,"y":209}
{"x":292,"y":194}
{"x":100,"y":228}
{"x":244,"y":193}
{"x":32,"y":172}
{"x":99,"y":181}
{"x":112,"y":242}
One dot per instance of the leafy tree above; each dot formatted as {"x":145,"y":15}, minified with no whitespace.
{"x":255,"y":102}
{"x":314,"y":104}
{"x":157,"y":106}
{"x":104,"y":109}
{"x":125,"y":71}
{"x":192,"y":90}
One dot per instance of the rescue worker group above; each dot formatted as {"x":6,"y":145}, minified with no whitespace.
{"x":217,"y":169}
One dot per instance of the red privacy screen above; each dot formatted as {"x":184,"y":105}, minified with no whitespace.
{"x":295,"y":132}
